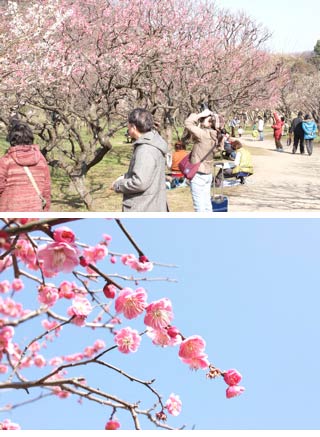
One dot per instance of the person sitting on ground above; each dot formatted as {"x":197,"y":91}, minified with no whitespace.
{"x":240,"y":168}
{"x":176,"y":178}
{"x":24,"y":173}
{"x":277,"y":131}
{"x":310,"y":132}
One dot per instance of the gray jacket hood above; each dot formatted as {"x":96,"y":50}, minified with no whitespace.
{"x":153,"y":139}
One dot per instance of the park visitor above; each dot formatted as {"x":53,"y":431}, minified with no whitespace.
{"x":175,"y":178}
{"x":260,"y":128}
{"x":310,"y":132}
{"x":205,"y":138}
{"x":298,"y":133}
{"x":240,"y":168}
{"x":24,"y":173}
{"x":143,"y":186}
{"x":277,"y":131}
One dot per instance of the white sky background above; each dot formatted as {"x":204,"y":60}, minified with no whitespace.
{"x":295,"y":25}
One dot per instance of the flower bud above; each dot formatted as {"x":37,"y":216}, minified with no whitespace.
{"x":232,"y":377}
{"x":234,"y":390}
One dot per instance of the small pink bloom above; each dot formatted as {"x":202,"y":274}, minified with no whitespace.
{"x":48,"y":295}
{"x":73,"y":358}
{"x":192,"y":347}
{"x":127,"y":340}
{"x":66,"y":290}
{"x":55,"y":361}
{"x":160,"y":337}
{"x":3,"y":368}
{"x":39,"y":361}
{"x":159,"y":314}
{"x":58,"y":257}
{"x":113,"y":259}
{"x":7,"y":332}
{"x":173,"y":405}
{"x":80,"y":308}
{"x":232,"y":377}
{"x":64,"y":235}
{"x":107,"y":238}
{"x":50,"y":325}
{"x":131,"y":303}
{"x":112,"y":425}
{"x":197,"y":362}
{"x":5,"y":286}
{"x":17,"y":284}
{"x":6,"y":424}
{"x":234,"y":390}
{"x":98,"y":345}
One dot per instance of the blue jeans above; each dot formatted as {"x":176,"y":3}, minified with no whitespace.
{"x":261,"y":135}
{"x":201,"y":192}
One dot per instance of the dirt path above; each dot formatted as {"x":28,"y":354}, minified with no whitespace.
{"x":281,"y":182}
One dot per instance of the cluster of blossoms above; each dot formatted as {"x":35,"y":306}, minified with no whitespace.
{"x":63,"y":255}
{"x":141,"y":264}
{"x":232,"y":377}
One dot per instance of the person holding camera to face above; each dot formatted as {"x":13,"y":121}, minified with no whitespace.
{"x":204,"y":135}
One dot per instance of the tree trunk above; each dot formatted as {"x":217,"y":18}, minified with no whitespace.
{"x":79,"y":183}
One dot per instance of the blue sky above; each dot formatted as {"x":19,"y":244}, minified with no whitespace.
{"x":294,"y":24}
{"x":248,"y":286}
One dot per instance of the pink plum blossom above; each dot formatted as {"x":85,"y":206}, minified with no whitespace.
{"x":58,"y":257}
{"x":6,"y":424}
{"x":5,"y":286}
{"x":192,"y":347}
{"x":94,"y":254}
{"x":99,"y":345}
{"x":131,"y":303}
{"x":112,"y":425}
{"x":159,"y":314}
{"x":140,"y":266}
{"x":64,"y":235}
{"x":39,"y":361}
{"x":234,"y":390}
{"x":106,"y":238}
{"x":10,"y":307}
{"x":3,"y":368}
{"x":66,"y":290}
{"x":232,"y":377}
{"x":173,"y":405}
{"x":55,"y":361}
{"x":199,"y":361}
{"x":79,"y":309}
{"x":17,"y":284}
{"x":48,"y":295}
{"x":113,"y":259}
{"x":127,"y":340}
{"x":160,"y":337}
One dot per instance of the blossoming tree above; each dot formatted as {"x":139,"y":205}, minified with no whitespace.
{"x":76,"y":71}
{"x":44,"y":263}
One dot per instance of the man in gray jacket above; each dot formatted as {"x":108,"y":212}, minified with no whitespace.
{"x":144,"y":186}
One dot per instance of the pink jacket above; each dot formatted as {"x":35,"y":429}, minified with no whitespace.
{"x":16,"y":190}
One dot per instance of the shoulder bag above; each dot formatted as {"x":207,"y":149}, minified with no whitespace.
{"x":35,"y":186}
